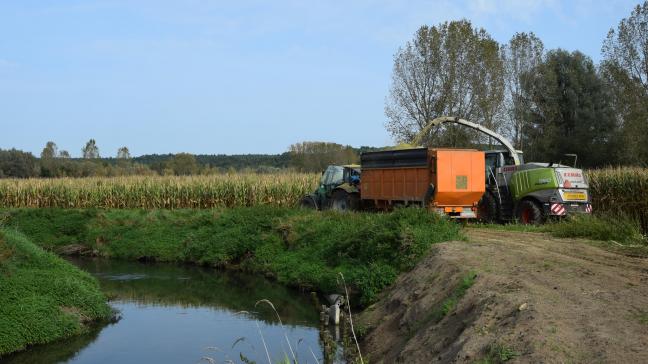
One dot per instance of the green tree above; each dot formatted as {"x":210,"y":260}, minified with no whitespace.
{"x":17,"y":164}
{"x":64,"y":154}
{"x":315,"y":156}
{"x":50,"y":151}
{"x":123,"y":153}
{"x":48,"y":164}
{"x":450,"y":69}
{"x":183,"y":164}
{"x":90,"y":151}
{"x":625,"y":69}
{"x":521,"y":56}
{"x":570,"y":111}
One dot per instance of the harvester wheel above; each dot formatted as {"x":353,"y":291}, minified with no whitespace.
{"x":529,"y":213}
{"x":487,"y":208}
{"x":344,"y":201}
{"x":308,"y":202}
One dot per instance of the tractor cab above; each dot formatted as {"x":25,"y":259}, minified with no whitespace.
{"x":497,"y":163}
{"x":338,"y":189}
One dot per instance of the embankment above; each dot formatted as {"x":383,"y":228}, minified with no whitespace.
{"x":506,"y":296}
{"x":42,"y":297}
{"x":297,"y":247}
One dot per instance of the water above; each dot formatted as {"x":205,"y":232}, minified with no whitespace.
{"x":186,"y":314}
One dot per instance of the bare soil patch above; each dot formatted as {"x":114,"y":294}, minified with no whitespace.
{"x":535,"y":299}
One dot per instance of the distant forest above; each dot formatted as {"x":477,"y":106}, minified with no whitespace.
{"x":52,"y":163}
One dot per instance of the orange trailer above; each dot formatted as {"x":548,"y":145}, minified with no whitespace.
{"x":449,"y":181}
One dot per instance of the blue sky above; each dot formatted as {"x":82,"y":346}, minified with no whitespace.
{"x":230,"y":77}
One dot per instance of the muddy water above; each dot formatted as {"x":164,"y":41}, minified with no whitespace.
{"x":185,"y":314}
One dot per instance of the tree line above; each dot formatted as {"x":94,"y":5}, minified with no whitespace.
{"x":303,"y":157}
{"x":547,"y":102}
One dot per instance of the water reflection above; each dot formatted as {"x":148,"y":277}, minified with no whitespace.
{"x":182,"y":314}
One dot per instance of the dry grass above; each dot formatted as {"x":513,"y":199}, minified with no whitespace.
{"x":168,"y":192}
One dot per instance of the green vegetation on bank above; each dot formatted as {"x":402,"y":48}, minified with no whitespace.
{"x":42,"y":297}
{"x":617,"y":232}
{"x":298,"y":247}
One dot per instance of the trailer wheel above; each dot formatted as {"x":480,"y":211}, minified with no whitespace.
{"x":344,"y":201}
{"x":487,"y":208}
{"x":529,"y":213}
{"x":308,"y":203}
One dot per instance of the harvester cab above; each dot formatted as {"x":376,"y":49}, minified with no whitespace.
{"x":527,"y":192}
{"x":338,"y":189}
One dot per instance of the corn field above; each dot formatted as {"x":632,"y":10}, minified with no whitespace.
{"x":168,"y":192}
{"x":613,"y":190}
{"x":620,"y":191}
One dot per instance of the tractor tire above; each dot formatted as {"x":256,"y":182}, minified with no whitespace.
{"x":529,"y":213}
{"x":344,"y":201}
{"x":308,"y":203}
{"x":487,"y":210}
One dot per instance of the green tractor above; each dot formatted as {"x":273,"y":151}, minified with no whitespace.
{"x":338,"y":189}
{"x":526,"y":192}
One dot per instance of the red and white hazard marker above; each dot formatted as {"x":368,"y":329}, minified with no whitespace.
{"x":558,"y":209}
{"x":588,"y":208}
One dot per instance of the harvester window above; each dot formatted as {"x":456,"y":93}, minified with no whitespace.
{"x":491,"y":165}
{"x":491,"y":162}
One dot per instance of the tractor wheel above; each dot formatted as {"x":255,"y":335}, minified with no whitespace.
{"x":487,"y":208}
{"x":308,"y":203}
{"x":529,"y":213}
{"x":344,"y":201}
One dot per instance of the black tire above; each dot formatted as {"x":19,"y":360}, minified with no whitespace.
{"x":487,"y":208}
{"x":308,"y":203}
{"x":344,"y":201}
{"x":530,"y":213}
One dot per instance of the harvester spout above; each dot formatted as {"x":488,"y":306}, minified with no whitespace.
{"x":451,"y":119}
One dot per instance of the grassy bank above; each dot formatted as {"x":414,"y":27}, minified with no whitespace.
{"x":297,"y":247}
{"x":42,"y":297}
{"x":618,"y":233}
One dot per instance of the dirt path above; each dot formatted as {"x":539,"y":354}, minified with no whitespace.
{"x":535,"y":299}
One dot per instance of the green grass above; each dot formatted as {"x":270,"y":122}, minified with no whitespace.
{"x":619,"y":229}
{"x":497,"y":354}
{"x":42,"y":297}
{"x":642,"y":317}
{"x":451,"y":302}
{"x":298,"y":247}
{"x":618,"y":233}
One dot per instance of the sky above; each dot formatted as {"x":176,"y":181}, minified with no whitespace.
{"x":235,"y":77}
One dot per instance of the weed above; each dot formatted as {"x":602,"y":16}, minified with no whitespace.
{"x":642,"y":317}
{"x":497,"y":354}
{"x":451,"y":302}
{"x":348,"y":304}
